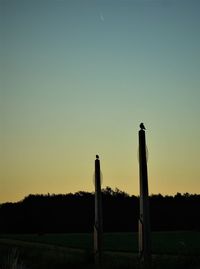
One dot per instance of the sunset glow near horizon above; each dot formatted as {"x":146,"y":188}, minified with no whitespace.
{"x":78,"y":77}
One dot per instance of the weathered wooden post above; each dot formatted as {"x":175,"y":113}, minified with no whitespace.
{"x":98,"y":225}
{"x":144,"y":218}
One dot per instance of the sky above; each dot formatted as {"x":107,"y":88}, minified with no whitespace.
{"x":76,"y":79}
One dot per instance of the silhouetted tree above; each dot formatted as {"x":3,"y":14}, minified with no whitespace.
{"x":75,"y":212}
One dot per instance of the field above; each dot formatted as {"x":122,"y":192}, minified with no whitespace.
{"x":169,"y":249}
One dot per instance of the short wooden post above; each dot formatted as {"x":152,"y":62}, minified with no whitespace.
{"x":98,"y":225}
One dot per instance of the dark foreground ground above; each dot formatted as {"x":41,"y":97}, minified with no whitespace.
{"x":173,"y":250}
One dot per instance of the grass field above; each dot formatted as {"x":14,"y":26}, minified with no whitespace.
{"x":170,"y":250}
{"x":162,"y":242}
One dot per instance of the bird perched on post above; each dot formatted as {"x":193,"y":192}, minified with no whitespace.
{"x":97,"y":156}
{"x":142,"y":127}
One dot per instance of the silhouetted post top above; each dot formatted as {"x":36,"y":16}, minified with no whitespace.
{"x":97,"y":156}
{"x":142,"y":127}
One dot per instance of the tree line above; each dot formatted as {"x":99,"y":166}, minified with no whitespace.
{"x":63,"y":213}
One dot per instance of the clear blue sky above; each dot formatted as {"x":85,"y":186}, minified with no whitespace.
{"x":77,"y":78}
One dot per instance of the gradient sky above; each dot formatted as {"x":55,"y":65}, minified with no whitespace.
{"x":77,"y":78}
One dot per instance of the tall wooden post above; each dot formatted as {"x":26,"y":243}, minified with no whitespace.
{"x":98,"y":230}
{"x":144,"y":218}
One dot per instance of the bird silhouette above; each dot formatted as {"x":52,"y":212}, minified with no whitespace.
{"x":97,"y":156}
{"x":142,"y":127}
